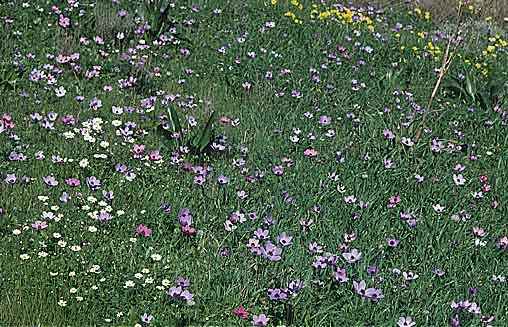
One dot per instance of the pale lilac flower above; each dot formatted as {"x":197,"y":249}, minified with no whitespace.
{"x":93,"y":183}
{"x":50,"y":181}
{"x":272,"y":252}
{"x":284,"y":239}
{"x":38,"y":225}
{"x":340,"y":275}
{"x":146,"y":318}
{"x":353,"y":256}
{"x":260,"y":320}
{"x":458,"y":179}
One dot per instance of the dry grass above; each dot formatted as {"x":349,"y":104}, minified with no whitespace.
{"x":107,"y":21}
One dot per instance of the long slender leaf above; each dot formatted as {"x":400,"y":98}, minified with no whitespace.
{"x":175,"y":122}
{"x":470,"y":89}
{"x":206,"y":136}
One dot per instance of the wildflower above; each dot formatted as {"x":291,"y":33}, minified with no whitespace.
{"x":278,"y":170}
{"x":241,"y":312}
{"x":340,"y":276}
{"x":223,"y":180}
{"x":405,"y":322}
{"x":156,"y":257}
{"x":143,"y":230}
{"x":50,"y":181}
{"x":93,"y":183}
{"x":146,"y":318}
{"x":276,"y":294}
{"x":325,"y":120}
{"x":284,"y":239}
{"x":38,"y":225}
{"x":392,"y":242}
{"x":271,"y":251}
{"x":458,"y":179}
{"x":353,"y":256}
{"x":72,"y":182}
{"x":260,"y":320}
{"x":129,"y":284}
{"x":310,"y":152}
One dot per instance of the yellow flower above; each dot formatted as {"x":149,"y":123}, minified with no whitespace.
{"x":324,"y":15}
{"x":427,"y":15}
{"x":421,"y":34}
{"x":274,"y":2}
{"x":491,"y":48}
{"x":289,"y":14}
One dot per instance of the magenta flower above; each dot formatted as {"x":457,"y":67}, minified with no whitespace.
{"x":64,"y":21}
{"x":72,"y":182}
{"x":388,"y":134}
{"x":241,"y":312}
{"x":261,"y":234}
{"x":374,"y":294}
{"x":143,"y":230}
{"x":188,"y":230}
{"x":138,"y":150}
{"x":310,"y":152}
{"x":154,"y":155}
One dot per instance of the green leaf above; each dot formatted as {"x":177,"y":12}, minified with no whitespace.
{"x":455,"y":87}
{"x":471,"y":87}
{"x":485,"y":100}
{"x":175,"y":122}
{"x":206,"y":135}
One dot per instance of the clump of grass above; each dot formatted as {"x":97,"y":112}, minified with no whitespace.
{"x":108,"y":23}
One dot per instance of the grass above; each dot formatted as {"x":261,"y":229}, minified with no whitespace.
{"x":324,"y":96}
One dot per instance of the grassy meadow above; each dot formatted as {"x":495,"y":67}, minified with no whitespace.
{"x":257,"y":162}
